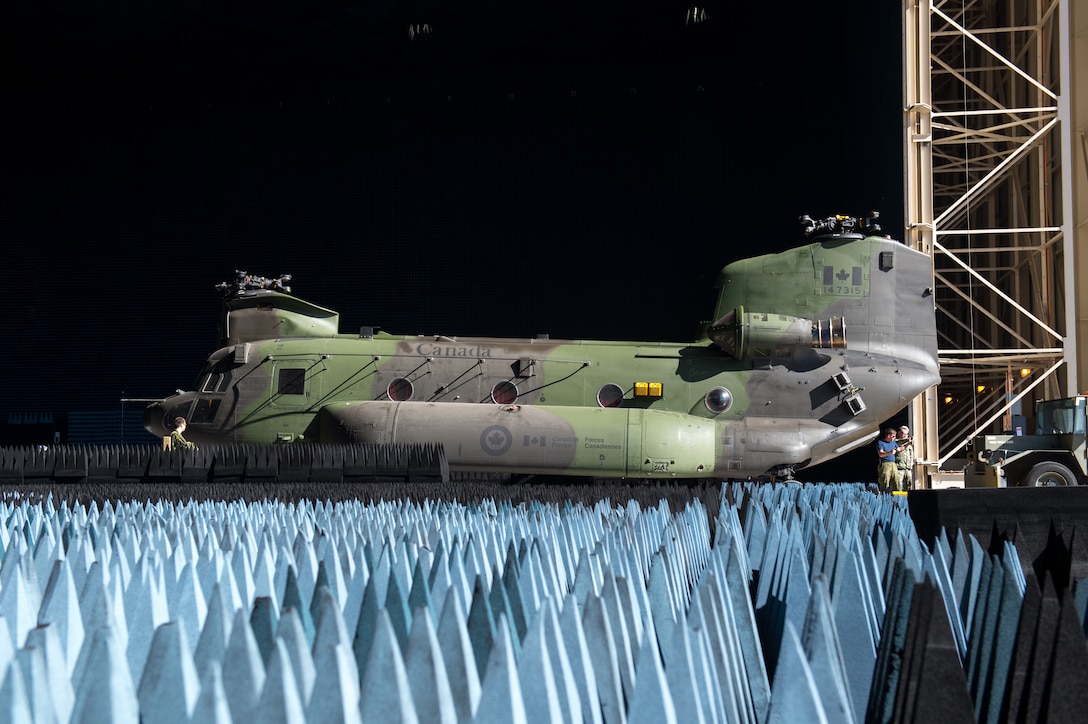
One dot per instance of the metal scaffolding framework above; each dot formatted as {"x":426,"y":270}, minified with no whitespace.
{"x":995,"y":186}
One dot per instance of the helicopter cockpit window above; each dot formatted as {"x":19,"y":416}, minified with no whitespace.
{"x":218,"y":379}
{"x":291,"y":382}
{"x":185,"y":409}
{"x":204,"y":412}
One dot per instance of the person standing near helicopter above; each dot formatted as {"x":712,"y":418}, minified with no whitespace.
{"x":887,"y":474}
{"x":904,"y":459}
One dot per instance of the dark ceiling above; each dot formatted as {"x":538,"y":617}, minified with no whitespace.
{"x":195,"y":41}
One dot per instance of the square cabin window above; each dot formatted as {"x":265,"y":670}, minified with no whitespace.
{"x":291,"y":382}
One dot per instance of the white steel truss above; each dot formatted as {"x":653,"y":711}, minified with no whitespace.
{"x":992,"y":194}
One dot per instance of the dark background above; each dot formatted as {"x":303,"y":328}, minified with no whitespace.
{"x":468,"y":168}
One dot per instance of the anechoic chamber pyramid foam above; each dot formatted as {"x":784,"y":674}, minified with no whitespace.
{"x":807,"y":601}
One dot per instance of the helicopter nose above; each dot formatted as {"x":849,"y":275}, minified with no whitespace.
{"x":153,"y":419}
{"x":159,"y":416}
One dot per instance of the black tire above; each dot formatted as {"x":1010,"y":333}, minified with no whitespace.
{"x":1050,"y":475}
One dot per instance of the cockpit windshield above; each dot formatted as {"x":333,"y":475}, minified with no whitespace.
{"x":1060,"y":417}
{"x":216,"y":377}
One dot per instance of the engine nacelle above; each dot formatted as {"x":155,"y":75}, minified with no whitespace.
{"x":749,"y":335}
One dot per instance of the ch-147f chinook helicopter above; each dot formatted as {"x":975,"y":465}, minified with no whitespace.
{"x":811,"y":349}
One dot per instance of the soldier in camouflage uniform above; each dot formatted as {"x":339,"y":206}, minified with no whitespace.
{"x":177,"y":437}
{"x":904,"y":459}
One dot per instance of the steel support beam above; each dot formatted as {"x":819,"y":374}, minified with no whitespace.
{"x":995,"y":157}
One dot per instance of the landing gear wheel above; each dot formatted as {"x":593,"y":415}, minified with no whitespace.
{"x":1050,"y":475}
